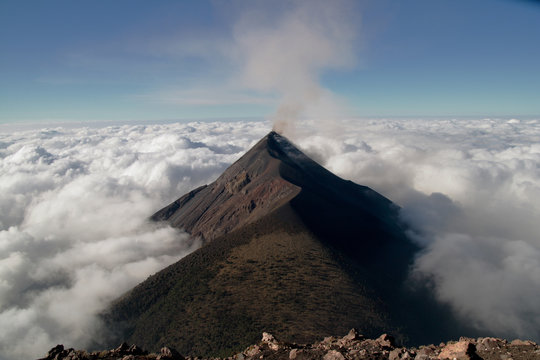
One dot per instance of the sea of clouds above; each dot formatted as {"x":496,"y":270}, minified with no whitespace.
{"x":74,"y":229}
{"x":75,"y":202}
{"x":471,"y":189}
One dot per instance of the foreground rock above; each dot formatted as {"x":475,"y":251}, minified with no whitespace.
{"x":351,"y":346}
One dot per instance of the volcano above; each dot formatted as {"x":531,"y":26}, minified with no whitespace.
{"x":290,"y":249}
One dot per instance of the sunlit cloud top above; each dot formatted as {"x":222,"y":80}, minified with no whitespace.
{"x":74,"y":205}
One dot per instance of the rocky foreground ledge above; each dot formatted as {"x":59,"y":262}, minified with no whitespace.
{"x":351,"y":346}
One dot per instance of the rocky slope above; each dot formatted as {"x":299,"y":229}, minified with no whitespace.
{"x":274,"y":173}
{"x":351,"y":346}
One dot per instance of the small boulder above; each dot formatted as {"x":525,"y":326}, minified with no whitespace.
{"x":353,"y":335}
{"x":333,"y":355}
{"x":252,"y":350}
{"x":303,"y":354}
{"x":270,"y":340}
{"x":385,"y":341}
{"x":396,"y":354}
{"x":135,"y":350}
{"x":489,"y":343}
{"x":461,"y":350}
{"x":122,"y":349}
{"x":329,"y":339}
{"x":425,"y":353}
{"x":518,"y":342}
{"x":55,"y":351}
{"x":408,"y":355}
{"x":168,"y":353}
{"x":267,"y":337}
{"x":293,"y":354}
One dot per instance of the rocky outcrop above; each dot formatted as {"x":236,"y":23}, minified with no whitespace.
{"x":124,"y":352}
{"x":351,"y":346}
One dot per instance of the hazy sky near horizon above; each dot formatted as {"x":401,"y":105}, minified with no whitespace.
{"x":139,"y":60}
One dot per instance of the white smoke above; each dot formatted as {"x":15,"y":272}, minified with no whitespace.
{"x":472,"y":190}
{"x":284,"y":52}
{"x":74,"y":233}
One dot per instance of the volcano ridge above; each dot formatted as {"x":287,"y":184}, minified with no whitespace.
{"x":289,"y":248}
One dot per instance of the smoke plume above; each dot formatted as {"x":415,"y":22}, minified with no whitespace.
{"x":284,"y":52}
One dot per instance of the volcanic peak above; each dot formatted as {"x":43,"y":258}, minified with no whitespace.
{"x":271,"y":174}
{"x":289,"y":248}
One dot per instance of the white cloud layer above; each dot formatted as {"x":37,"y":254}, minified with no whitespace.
{"x":471,"y":188}
{"x":74,"y":205}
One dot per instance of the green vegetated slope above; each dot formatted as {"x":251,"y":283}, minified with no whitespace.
{"x":270,"y":276}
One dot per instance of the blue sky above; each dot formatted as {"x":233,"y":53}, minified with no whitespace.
{"x":156,"y":60}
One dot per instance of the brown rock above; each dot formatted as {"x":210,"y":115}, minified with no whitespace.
{"x":425,"y":353}
{"x":104,"y":353}
{"x":293,"y":353}
{"x":135,"y":350}
{"x":333,"y":355}
{"x":385,"y":341}
{"x":252,"y":350}
{"x":329,"y":339}
{"x":305,"y":354}
{"x":63,"y":354}
{"x":396,"y":354}
{"x":518,"y":342}
{"x":353,"y":335}
{"x":408,"y":355}
{"x":55,"y":351}
{"x":461,"y":350}
{"x":332,"y":349}
{"x":267,"y":337}
{"x":489,"y":343}
{"x":122,"y":349}
{"x":167,"y":353}
{"x":270,"y":340}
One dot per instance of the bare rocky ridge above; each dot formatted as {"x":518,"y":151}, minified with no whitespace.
{"x":291,"y":249}
{"x":248,"y":190}
{"x":351,"y":346}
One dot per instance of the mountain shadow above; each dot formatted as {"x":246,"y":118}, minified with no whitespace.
{"x":289,"y":248}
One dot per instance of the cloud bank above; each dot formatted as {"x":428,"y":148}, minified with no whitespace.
{"x":74,"y":205}
{"x":471,"y":189}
